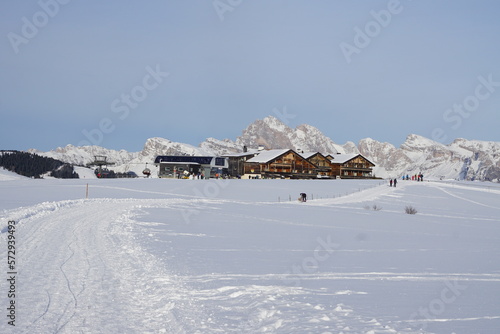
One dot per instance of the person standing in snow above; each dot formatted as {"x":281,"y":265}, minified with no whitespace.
{"x":395,"y":181}
{"x":390,"y":182}
{"x":303,"y":197}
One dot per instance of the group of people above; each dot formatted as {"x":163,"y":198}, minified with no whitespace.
{"x":191,"y":176}
{"x":416,"y":177}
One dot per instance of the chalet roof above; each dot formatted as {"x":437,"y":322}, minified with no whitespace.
{"x":266,"y":156}
{"x":307,"y":155}
{"x":343,"y":158}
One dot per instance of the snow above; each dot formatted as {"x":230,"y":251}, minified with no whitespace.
{"x":275,"y":124}
{"x":268,"y":155}
{"x":342,"y":158}
{"x":6,"y":175}
{"x":85,"y":173}
{"x":244,"y":256}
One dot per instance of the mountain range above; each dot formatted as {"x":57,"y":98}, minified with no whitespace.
{"x":462,"y":159}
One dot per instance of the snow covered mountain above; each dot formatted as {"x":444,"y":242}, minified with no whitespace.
{"x":220,"y":147}
{"x":274,"y":134}
{"x":123,"y":161}
{"x":463,"y":159}
{"x":154,"y":147}
{"x":81,"y":155}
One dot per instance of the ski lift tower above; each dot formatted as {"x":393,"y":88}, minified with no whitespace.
{"x":100,"y":161}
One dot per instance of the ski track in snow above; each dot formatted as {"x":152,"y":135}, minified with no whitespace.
{"x":90,"y":272}
{"x":440,"y":187}
{"x":84,"y":270}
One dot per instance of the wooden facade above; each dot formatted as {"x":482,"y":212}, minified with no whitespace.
{"x":287,"y":163}
{"x":324,"y":167}
{"x":279,"y":164}
{"x":352,"y":165}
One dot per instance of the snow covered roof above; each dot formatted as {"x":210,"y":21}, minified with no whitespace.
{"x":341,"y":158}
{"x":266,"y":156}
{"x":307,"y":155}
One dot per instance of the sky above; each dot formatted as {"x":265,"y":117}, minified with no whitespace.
{"x":115,"y":73}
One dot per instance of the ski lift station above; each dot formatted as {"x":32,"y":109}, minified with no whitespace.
{"x":175,"y":166}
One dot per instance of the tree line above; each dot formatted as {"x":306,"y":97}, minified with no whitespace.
{"x":34,"y":165}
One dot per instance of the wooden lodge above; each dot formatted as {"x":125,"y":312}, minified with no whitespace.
{"x":279,"y":164}
{"x":305,"y":165}
{"x":325,"y":169}
{"x":350,"y":166}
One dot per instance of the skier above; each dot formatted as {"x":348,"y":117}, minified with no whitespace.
{"x":303,"y":197}
{"x":390,"y":182}
{"x":395,"y":181}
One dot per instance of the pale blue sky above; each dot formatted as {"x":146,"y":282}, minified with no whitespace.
{"x":72,"y":75}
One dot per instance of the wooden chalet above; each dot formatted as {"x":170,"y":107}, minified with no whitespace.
{"x":283,"y":163}
{"x":350,"y":166}
{"x":324,"y":167}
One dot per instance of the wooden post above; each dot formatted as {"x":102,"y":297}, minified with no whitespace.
{"x":87,"y":191}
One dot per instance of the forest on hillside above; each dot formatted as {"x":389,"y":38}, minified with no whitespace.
{"x":34,"y":165}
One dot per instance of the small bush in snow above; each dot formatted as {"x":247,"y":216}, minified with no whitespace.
{"x":410,"y":210}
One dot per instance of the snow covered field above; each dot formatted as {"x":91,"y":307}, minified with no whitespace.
{"x":237,"y":256}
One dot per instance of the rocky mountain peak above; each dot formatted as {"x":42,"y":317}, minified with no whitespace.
{"x":162,"y":146}
{"x":416,"y":142}
{"x":274,"y":134}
